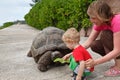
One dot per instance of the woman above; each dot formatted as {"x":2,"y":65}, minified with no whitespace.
{"x":108,"y":45}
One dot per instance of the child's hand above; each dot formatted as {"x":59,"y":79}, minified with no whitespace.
{"x":66,"y":56}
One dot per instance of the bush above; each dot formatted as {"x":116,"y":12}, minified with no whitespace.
{"x":59,"y":13}
{"x":7,"y":24}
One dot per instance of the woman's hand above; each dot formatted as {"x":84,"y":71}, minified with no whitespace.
{"x":89,"y":63}
{"x":78,"y":78}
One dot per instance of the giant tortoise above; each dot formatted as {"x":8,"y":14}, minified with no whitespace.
{"x":47,"y":46}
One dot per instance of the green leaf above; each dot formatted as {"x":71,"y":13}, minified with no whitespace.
{"x":61,"y":60}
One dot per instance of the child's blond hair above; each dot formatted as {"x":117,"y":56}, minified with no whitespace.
{"x":71,"y":35}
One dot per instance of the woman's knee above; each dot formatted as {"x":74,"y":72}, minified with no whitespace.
{"x":107,"y":39}
{"x":97,"y":47}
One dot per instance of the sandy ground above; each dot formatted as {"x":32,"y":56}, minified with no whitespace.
{"x":15,"y":42}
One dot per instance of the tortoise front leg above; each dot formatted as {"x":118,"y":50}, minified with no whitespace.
{"x":44,"y":61}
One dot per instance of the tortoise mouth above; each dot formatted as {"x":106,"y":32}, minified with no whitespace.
{"x":56,"y":54}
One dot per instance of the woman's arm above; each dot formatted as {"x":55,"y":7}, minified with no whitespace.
{"x":114,"y":53}
{"x":91,"y":38}
{"x":80,"y":70}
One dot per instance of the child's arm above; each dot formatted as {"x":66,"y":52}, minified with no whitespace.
{"x":80,"y":70}
{"x":67,"y":56}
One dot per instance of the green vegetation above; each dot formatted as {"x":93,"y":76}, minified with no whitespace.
{"x":59,"y":13}
{"x":61,"y":60}
{"x":7,"y":24}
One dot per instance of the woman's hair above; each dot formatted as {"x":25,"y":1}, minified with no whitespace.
{"x":71,"y":35}
{"x":101,"y":10}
